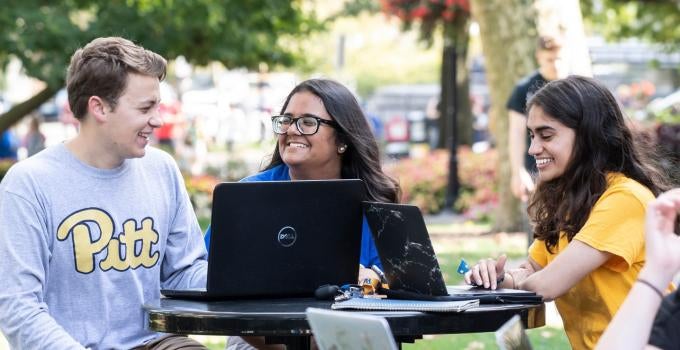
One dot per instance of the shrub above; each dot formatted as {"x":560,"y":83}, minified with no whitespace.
{"x":478,"y":195}
{"x":424,"y":181}
{"x":200,"y":189}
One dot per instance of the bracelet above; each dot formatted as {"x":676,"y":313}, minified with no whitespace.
{"x":650,"y":285}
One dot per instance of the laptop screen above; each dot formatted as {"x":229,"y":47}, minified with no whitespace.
{"x":512,"y":336}
{"x":284,"y":238}
{"x":404,"y":248}
{"x":334,"y":330}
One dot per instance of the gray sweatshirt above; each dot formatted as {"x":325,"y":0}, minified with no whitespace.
{"x":82,"y":249}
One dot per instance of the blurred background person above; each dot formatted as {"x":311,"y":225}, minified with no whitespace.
{"x":523,"y":165}
{"x":8,"y":145}
{"x":432,"y":122}
{"x":34,"y":141}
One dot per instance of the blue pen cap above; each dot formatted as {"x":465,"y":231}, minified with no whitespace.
{"x":463,"y":267}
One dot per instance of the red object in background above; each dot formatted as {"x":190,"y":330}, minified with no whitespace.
{"x":426,"y":10}
{"x":396,"y":129}
{"x":169,"y":114}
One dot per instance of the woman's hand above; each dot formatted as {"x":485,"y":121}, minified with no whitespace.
{"x":367,"y":273}
{"x":487,"y":272}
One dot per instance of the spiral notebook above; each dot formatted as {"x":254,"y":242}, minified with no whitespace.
{"x":405,"y":305}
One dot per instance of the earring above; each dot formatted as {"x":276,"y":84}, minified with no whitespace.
{"x":342,"y":149}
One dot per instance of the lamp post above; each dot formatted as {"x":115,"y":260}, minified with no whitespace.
{"x":449,"y":113}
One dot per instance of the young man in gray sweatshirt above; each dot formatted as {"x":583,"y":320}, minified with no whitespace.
{"x":92,"y":228}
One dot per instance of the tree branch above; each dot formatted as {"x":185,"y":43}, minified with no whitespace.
{"x":16,"y":113}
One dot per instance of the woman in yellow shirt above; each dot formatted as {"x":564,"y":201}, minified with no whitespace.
{"x":588,"y":210}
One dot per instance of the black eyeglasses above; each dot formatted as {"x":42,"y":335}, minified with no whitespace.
{"x":306,"y":124}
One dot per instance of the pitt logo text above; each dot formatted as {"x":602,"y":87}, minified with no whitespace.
{"x":130,"y":250}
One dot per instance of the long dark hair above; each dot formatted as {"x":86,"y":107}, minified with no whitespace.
{"x":362,"y":158}
{"x":603,"y":144}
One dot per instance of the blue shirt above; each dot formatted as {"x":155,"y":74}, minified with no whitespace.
{"x":8,"y":145}
{"x":369,"y":253}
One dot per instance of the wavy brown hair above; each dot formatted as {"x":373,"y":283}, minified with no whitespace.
{"x":101,"y":69}
{"x":362,"y":158}
{"x":603,"y":144}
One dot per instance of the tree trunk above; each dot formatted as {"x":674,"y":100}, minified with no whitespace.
{"x":454,"y":119}
{"x":16,"y":113}
{"x":449,"y":107}
{"x":508,"y":33}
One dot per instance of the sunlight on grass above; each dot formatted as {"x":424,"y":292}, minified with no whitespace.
{"x":541,"y":338}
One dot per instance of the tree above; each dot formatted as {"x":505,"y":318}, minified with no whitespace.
{"x":455,"y":121}
{"x":654,"y":21}
{"x":452,"y":18}
{"x":508,"y":32}
{"x":43,"y":34}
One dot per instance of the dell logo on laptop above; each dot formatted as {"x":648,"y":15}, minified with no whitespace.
{"x":287,"y":236}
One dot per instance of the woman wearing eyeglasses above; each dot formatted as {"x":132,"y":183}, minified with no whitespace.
{"x":323,"y":134}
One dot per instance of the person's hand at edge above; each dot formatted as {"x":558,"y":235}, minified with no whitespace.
{"x":662,"y":244}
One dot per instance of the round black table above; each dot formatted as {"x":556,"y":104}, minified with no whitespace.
{"x":283,"y":320}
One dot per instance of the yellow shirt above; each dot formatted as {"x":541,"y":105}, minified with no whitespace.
{"x":615,"y":225}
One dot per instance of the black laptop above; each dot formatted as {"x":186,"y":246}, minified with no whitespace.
{"x":410,"y":264}
{"x":281,"y":238}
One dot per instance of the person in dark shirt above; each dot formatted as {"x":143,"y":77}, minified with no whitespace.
{"x":549,"y":58}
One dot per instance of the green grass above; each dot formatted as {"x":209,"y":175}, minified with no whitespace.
{"x":541,"y":338}
{"x":204,"y":221}
{"x":548,"y":338}
{"x":216,"y":346}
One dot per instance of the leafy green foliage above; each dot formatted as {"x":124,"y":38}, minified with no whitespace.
{"x":654,"y":21}
{"x":354,"y":8}
{"x":44,"y":34}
